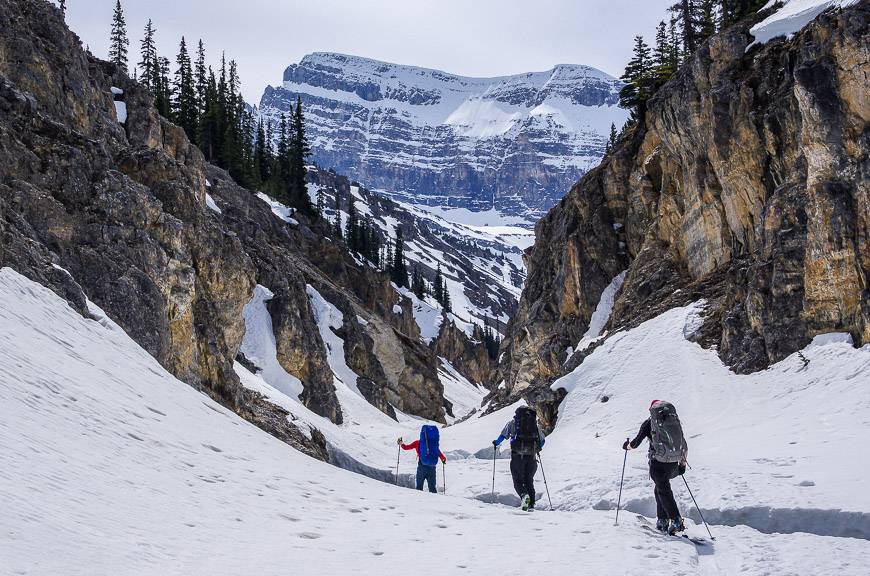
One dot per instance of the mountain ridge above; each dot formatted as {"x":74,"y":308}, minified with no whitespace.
{"x":515,"y":143}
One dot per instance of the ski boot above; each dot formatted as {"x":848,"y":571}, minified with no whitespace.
{"x":676,"y":526}
{"x":662,"y":525}
{"x":525,"y":502}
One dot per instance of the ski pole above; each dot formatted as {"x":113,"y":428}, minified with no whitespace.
{"x":398,"y":455}
{"x":444,"y":475}
{"x":621,"y":479}
{"x":698,"y":508}
{"x":544,"y":474}
{"x":493,"y":473}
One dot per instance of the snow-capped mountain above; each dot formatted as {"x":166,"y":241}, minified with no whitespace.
{"x":512,"y":143}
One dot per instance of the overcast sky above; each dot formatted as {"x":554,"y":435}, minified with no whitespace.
{"x":468,"y":37}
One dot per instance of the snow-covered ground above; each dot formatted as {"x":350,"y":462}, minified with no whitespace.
{"x":794,"y":15}
{"x":112,"y":466}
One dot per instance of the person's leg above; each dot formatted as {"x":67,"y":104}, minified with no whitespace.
{"x":517,"y":474}
{"x":420,"y":476}
{"x":530,"y":469}
{"x":660,"y":510}
{"x":432,"y":477}
{"x":661,"y":474}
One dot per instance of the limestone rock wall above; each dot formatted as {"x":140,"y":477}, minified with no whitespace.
{"x":747,"y":184}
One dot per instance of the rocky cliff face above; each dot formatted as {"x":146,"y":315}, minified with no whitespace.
{"x":748,"y":184}
{"x":513,"y":143}
{"x":107,"y":199}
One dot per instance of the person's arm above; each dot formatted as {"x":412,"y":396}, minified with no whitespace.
{"x":542,"y":439}
{"x":506,"y":433}
{"x":412,"y":446}
{"x":644,"y":432}
{"x":443,"y":457}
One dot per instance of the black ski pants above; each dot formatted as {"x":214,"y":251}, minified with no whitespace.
{"x":661,"y":474}
{"x":523,"y":468}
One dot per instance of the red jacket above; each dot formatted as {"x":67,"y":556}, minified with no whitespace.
{"x":415,"y":445}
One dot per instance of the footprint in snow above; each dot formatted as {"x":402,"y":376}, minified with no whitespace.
{"x":310,"y":535}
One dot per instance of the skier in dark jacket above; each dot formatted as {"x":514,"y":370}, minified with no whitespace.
{"x":667,"y":460}
{"x":526,"y":441}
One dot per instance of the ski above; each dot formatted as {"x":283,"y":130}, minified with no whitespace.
{"x":648,"y":526}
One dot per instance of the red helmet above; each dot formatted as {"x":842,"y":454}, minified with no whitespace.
{"x":653,"y":402}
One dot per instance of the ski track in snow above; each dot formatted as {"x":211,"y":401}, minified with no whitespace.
{"x":112,"y":466}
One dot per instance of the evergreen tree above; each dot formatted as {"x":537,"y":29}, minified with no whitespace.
{"x":399,"y":272}
{"x":663,"y":64}
{"x":674,"y":42}
{"x":118,"y":41}
{"x":639,"y":80}
{"x":448,"y":306}
{"x":209,"y":120}
{"x":732,"y":11}
{"x":336,"y":228}
{"x":300,"y":151}
{"x":201,"y":80}
{"x":351,"y":232}
{"x":418,"y":284}
{"x":163,"y":95}
{"x":63,"y":7}
{"x":611,"y":140}
{"x":685,"y":12}
{"x":388,"y":259}
{"x":321,"y":202}
{"x":438,"y":286}
{"x":261,"y":158}
{"x":282,"y":162}
{"x":706,"y":18}
{"x":149,"y":65}
{"x":184,"y":102}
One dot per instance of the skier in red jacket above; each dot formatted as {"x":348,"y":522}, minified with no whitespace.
{"x":425,"y":472}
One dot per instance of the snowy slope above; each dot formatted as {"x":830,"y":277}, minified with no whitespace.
{"x":112,"y":466}
{"x":482,"y":264}
{"x":772,"y":449}
{"x":791,"y":17}
{"x":513,"y":143}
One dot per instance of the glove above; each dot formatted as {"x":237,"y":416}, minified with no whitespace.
{"x":626,"y":445}
{"x":494,"y":443}
{"x":444,"y":461}
{"x":399,"y":441}
{"x":681,"y":469}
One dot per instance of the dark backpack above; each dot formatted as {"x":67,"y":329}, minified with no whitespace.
{"x":527,"y":437}
{"x":429,"y":450}
{"x":667,"y":443}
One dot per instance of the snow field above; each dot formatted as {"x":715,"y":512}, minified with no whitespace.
{"x":794,"y":15}
{"x":123,"y":469}
{"x":111,"y":466}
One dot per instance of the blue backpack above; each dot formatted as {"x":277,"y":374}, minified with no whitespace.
{"x":429,"y":450}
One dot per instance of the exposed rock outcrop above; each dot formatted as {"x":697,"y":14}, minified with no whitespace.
{"x":92,"y":202}
{"x":748,"y":184}
{"x":468,"y":356}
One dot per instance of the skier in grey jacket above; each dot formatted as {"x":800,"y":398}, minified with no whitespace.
{"x":667,"y":460}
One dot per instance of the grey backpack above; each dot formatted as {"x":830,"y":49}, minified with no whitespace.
{"x":667,"y":443}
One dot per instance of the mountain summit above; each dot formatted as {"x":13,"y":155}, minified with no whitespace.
{"x":513,"y":143}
